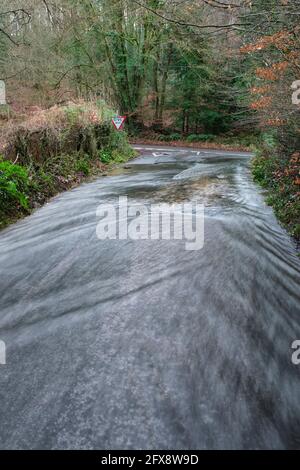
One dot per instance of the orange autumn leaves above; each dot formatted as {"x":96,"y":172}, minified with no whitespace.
{"x":281,"y":40}
{"x":272,"y":73}
{"x":289,"y":174}
{"x":261,"y":103}
{"x":294,"y":168}
{"x":267,"y":95}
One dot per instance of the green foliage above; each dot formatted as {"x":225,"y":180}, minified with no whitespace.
{"x":82,"y":165}
{"x":213,"y":122}
{"x":118,"y":144}
{"x":239,"y":142}
{"x":174,"y":137}
{"x":72,"y":113}
{"x":200,"y":138}
{"x":115,"y":155}
{"x":296,"y":231}
{"x":105,"y":156}
{"x":191,"y":85}
{"x":269,"y":171}
{"x":14,"y":185}
{"x":262,"y":170}
{"x":164,"y":138}
{"x":42,"y":182}
{"x":269,"y":140}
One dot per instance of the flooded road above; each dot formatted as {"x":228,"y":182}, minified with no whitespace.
{"x":141,"y":344}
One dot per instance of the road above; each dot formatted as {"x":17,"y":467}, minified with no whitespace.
{"x":142,"y":344}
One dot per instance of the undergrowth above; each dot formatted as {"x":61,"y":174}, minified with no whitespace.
{"x":36,"y":176}
{"x":281,"y":178}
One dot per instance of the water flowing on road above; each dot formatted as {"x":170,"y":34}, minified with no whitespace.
{"x":142,"y":344}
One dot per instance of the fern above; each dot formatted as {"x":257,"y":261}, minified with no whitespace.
{"x":14,"y":186}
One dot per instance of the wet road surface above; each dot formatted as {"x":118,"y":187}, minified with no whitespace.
{"x":142,"y":344}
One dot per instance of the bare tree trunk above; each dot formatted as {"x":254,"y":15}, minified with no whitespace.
{"x":165,"y":75}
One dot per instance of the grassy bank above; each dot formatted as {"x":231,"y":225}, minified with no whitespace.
{"x":54,"y":151}
{"x":281,"y":178}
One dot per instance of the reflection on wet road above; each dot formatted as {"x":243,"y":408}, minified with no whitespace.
{"x":123,"y":344}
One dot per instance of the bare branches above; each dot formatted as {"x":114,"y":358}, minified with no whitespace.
{"x":192,"y":25}
{"x":16,"y":12}
{"x":65,"y":74}
{"x":18,"y":17}
{"x":8,"y":36}
{"x":218,"y":4}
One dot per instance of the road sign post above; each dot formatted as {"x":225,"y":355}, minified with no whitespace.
{"x":2,"y":93}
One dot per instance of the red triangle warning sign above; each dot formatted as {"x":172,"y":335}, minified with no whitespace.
{"x":118,"y":122}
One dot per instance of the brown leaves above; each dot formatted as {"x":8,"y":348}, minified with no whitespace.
{"x":260,"y":90}
{"x":295,"y":158}
{"x":275,"y":122}
{"x":272,"y":73}
{"x":262,"y":103}
{"x":292,"y":171}
{"x":281,"y":40}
